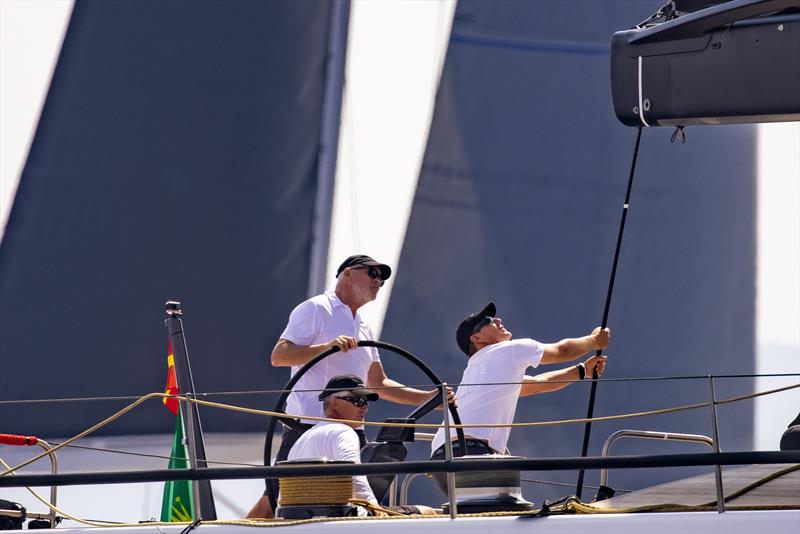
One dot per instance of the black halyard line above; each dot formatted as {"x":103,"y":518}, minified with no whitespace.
{"x":593,"y":393}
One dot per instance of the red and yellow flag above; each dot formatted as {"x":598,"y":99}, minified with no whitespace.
{"x":171,"y":403}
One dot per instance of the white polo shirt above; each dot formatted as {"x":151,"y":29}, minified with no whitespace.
{"x":333,"y":441}
{"x":491,"y":402}
{"x":319,"y":320}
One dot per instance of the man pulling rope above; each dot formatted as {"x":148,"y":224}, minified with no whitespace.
{"x":497,"y":367}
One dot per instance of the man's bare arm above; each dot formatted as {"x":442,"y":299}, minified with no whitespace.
{"x":555,"y":380}
{"x":285,"y":353}
{"x":397,"y":392}
{"x":570,"y":349}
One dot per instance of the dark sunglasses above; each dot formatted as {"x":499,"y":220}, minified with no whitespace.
{"x":372,"y":272}
{"x":359,"y":402}
{"x":483,"y":322}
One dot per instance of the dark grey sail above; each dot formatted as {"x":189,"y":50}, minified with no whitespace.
{"x":518,"y":202}
{"x":176,"y":158}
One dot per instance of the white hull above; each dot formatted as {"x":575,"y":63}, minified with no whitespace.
{"x":750,"y":522}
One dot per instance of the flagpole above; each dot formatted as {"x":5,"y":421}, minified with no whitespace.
{"x":201,"y":489}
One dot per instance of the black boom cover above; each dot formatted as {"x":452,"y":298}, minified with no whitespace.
{"x":710,"y":66}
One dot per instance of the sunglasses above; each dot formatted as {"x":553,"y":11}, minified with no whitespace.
{"x":372,"y":272}
{"x":483,"y":322}
{"x":359,"y":402}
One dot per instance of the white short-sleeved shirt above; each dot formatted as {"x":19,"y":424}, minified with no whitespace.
{"x":491,"y":402}
{"x":319,"y":320}
{"x":333,"y":441}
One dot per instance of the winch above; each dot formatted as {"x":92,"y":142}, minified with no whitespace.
{"x":319,"y":496}
{"x":493,"y":490}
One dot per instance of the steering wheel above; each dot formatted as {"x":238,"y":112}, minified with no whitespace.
{"x":280,"y":405}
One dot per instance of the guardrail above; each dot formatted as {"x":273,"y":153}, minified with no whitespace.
{"x":12,"y":439}
{"x":456,"y":465}
{"x":647,"y":434}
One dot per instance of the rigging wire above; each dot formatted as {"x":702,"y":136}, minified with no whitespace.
{"x":378,"y":388}
{"x":150,"y":455}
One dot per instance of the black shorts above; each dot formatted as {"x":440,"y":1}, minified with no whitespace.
{"x":409,"y":509}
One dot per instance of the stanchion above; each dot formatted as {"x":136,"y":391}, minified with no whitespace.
{"x":448,"y":454}
{"x":715,"y":429}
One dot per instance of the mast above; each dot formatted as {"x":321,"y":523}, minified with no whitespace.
{"x":328,"y":144}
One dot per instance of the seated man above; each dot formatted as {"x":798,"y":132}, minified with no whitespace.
{"x":497,"y":364}
{"x":344,"y":397}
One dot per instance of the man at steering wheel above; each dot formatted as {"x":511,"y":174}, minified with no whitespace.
{"x":318,"y":324}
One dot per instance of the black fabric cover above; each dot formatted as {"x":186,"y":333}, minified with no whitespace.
{"x":175,"y":158}
{"x":519,"y":200}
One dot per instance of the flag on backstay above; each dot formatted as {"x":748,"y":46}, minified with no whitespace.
{"x":177,"y":504}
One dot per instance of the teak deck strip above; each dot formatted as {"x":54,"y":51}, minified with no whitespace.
{"x":783,"y":491}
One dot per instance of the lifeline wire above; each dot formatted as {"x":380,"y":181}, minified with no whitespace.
{"x":575,"y":506}
{"x":593,"y":393}
{"x":465,"y":384}
{"x":159,"y":456}
{"x":424,"y":425}
{"x":149,"y":396}
{"x":724,"y":401}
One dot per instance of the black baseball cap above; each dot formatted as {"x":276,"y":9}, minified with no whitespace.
{"x":348,"y":383}
{"x":467,"y":326}
{"x":361,"y":259}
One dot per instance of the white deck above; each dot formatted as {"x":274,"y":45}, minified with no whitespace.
{"x":774,"y":522}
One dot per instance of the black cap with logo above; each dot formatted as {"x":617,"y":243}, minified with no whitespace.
{"x":467,"y":326}
{"x":361,"y":259}
{"x":349,"y":383}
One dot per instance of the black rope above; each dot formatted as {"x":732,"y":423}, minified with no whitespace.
{"x":554,"y":483}
{"x":679,"y":133}
{"x":593,"y":393}
{"x":191,"y":526}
